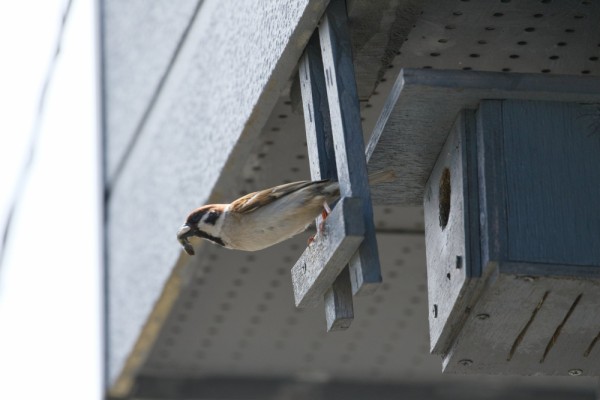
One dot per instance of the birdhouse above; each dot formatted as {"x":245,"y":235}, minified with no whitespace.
{"x":506,"y":166}
{"x":512,"y":217}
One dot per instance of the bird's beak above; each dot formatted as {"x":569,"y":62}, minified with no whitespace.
{"x":182,"y":236}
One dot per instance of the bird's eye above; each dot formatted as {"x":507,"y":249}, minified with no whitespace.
{"x":211,"y":218}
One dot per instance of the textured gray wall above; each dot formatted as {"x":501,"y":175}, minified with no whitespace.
{"x":230,"y":70}
{"x":141,"y":39}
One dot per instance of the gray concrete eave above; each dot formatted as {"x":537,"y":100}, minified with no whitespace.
{"x":221,"y":89}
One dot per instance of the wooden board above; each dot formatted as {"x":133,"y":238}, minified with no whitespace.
{"x":346,"y":127}
{"x":321,"y":155}
{"x":422,"y":106}
{"x":452,"y":231}
{"x":531,"y":324}
{"x":322,"y":261}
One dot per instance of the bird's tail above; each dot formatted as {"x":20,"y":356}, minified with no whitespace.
{"x":382,"y":176}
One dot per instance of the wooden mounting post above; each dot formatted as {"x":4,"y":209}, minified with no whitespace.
{"x":336,"y":149}
{"x":346,"y":127}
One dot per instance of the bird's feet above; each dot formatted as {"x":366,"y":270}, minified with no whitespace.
{"x":324,"y":214}
{"x":321,"y":229}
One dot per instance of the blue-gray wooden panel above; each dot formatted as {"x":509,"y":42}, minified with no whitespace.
{"x":551,"y":156}
{"x":348,"y":140}
{"x":490,"y":165}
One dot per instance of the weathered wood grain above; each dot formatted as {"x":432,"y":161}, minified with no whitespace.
{"x":321,"y":156}
{"x":552,"y":177}
{"x":348,"y":138}
{"x":422,"y":106}
{"x":492,"y":191}
{"x":324,"y":259}
{"x":452,"y":249}
{"x":339,"y":309}
{"x":505,"y":335}
{"x":319,"y":141}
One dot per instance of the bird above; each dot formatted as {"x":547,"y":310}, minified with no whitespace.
{"x":264,"y":218}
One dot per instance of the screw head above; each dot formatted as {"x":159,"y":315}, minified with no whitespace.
{"x":482,"y":316}
{"x":575,"y":372}
{"x":465,"y":362}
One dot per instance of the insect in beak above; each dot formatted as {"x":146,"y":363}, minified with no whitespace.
{"x":182,"y":236}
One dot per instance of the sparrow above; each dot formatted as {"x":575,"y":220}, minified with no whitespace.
{"x":261,"y":219}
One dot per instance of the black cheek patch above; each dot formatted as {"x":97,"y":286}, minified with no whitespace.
{"x":212,"y":238}
{"x":212,"y":218}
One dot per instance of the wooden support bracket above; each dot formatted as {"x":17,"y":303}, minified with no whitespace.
{"x":346,"y":128}
{"x":336,"y":149}
{"x":321,"y":155}
{"x":325,"y":258}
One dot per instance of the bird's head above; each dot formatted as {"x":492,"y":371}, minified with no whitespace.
{"x":204,"y":222}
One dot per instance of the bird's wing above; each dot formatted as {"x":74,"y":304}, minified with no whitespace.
{"x":253,"y":201}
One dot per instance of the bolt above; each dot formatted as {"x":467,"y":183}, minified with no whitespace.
{"x":483,"y":316}
{"x":435,"y":311}
{"x":465,"y":362}
{"x":575,"y":372}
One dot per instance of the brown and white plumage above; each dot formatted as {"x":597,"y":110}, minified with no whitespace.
{"x":264,"y":218}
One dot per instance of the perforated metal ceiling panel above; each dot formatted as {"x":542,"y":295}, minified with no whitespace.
{"x":558,"y":37}
{"x":236,"y":317}
{"x":239,"y":318}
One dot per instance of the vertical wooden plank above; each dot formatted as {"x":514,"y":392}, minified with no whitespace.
{"x":338,"y":301}
{"x":319,"y":140}
{"x":492,"y":191}
{"x":472,"y":263}
{"x":340,"y":297}
{"x":346,"y":127}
